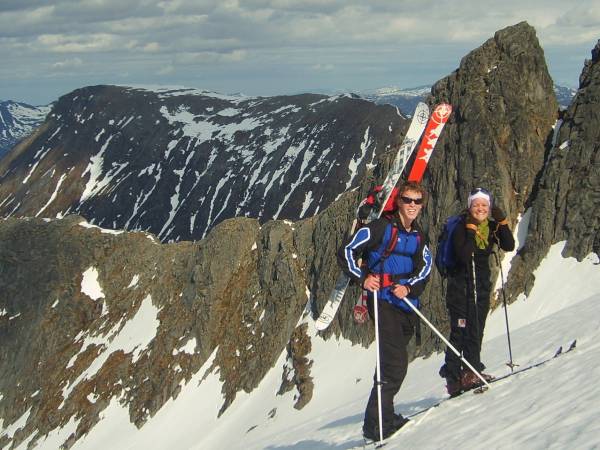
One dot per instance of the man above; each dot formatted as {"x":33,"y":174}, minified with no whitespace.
{"x":398,"y":263}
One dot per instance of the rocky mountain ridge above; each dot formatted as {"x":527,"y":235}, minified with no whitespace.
{"x":176,"y":163}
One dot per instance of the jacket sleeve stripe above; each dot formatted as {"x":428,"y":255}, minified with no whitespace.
{"x":424,"y":273}
{"x":361,"y":236}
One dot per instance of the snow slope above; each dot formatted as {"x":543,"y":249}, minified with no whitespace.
{"x":538,"y":409}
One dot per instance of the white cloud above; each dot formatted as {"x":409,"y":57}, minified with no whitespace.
{"x":151,"y":47}
{"x":166,"y":70}
{"x":278,"y":42}
{"x":204,"y":57}
{"x":323,"y":67}
{"x":61,"y":43}
{"x":67,"y":63}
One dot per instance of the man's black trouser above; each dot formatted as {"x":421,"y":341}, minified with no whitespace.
{"x":395,"y":330}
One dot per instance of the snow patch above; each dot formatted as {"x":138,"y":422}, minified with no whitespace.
{"x":132,"y":337}
{"x":86,"y":224}
{"x":10,"y":430}
{"x":90,"y":285}
{"x":134,"y":281}
{"x":564,"y":281}
{"x":189,"y":347}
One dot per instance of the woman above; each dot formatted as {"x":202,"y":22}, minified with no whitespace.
{"x":469,"y":286}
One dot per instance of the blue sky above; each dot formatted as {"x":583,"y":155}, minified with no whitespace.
{"x":269,"y":47}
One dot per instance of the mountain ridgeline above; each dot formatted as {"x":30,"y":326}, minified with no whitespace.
{"x":92,"y":319}
{"x":176,"y":163}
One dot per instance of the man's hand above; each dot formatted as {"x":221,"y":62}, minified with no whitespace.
{"x":371,"y":283}
{"x":400,"y":291}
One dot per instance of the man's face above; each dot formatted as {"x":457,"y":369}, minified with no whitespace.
{"x":410,"y":204}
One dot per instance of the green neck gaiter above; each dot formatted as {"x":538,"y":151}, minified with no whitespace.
{"x":482,"y":235}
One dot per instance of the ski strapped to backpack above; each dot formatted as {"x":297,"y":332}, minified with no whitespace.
{"x":431,"y":130}
{"x":415,"y":130}
{"x":430,"y":137}
{"x":434,"y":128}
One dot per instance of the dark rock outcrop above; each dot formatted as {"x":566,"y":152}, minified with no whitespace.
{"x":567,"y":203}
{"x":296,"y":373}
{"x":87,"y":316}
{"x":503,"y":112}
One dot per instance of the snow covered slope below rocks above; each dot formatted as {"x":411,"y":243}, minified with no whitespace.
{"x":538,"y":409}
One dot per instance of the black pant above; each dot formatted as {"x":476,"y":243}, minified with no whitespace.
{"x":395,"y":330}
{"x":467,"y":322}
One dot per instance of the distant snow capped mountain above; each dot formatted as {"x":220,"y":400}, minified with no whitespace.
{"x":18,"y":120}
{"x":178,"y":161}
{"x":564,"y":95}
{"x":406,"y":99}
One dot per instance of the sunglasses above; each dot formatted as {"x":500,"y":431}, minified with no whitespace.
{"x":409,"y":200}
{"x":485,"y":191}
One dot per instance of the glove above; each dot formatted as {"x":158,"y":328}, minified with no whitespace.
{"x":498,"y":215}
{"x":471,"y":224}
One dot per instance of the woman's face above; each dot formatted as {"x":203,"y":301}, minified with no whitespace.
{"x":479,"y":209}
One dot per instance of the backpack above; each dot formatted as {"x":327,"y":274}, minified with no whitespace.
{"x":372,"y":202}
{"x":445,"y":258}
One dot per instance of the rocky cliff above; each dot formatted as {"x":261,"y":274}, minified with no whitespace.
{"x":88,"y":315}
{"x":566,"y":206}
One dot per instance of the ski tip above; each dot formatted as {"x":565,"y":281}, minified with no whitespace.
{"x":573,"y":345}
{"x":558,"y":351}
{"x":321,"y":325}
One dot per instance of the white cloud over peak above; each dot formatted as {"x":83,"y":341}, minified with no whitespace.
{"x":261,"y":46}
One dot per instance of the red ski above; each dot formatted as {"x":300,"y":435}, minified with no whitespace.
{"x":434,"y":127}
{"x":432,"y":132}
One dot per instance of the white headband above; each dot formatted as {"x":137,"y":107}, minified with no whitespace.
{"x":476,"y":195}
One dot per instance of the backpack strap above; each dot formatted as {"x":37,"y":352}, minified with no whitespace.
{"x":392,"y":243}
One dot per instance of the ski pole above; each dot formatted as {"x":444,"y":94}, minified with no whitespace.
{"x":441,"y":336}
{"x":379,"y":410}
{"x":479,"y":337}
{"x":510,"y":364}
